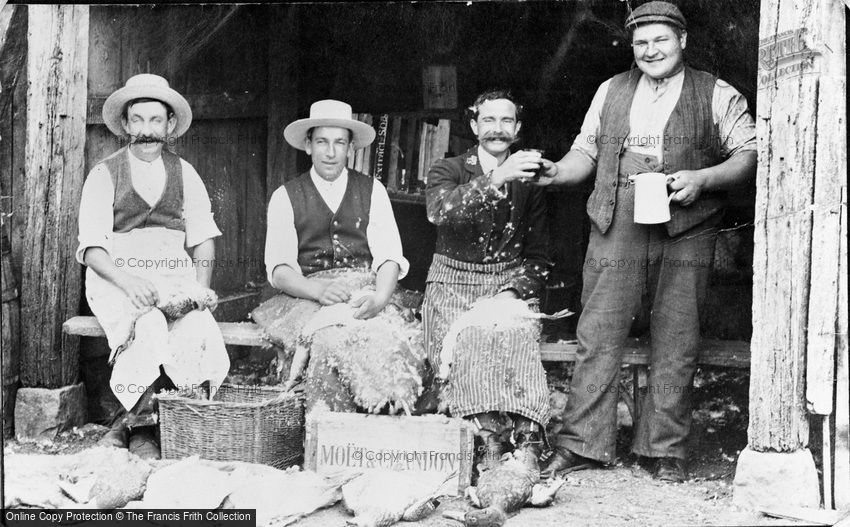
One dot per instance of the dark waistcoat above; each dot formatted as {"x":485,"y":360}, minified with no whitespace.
{"x":327,"y":240}
{"x":690,"y":143}
{"x":130,"y":211}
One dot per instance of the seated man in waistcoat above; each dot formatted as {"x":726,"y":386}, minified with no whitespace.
{"x":333,"y":242}
{"x":661,"y":117}
{"x":142,"y":209}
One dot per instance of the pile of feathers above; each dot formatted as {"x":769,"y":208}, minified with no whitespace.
{"x":382,"y":359}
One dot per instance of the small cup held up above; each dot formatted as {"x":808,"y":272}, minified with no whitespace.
{"x":539,"y":171}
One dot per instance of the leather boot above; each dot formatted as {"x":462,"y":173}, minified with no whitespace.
{"x":528,"y":437}
{"x":143,"y":443}
{"x":117,"y":436}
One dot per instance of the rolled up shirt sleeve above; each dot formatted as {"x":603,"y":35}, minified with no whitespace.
{"x":735,"y":125}
{"x":197,"y":210}
{"x":281,"y":237}
{"x":95,"y":219}
{"x":382,"y":232}
{"x":588,"y":137}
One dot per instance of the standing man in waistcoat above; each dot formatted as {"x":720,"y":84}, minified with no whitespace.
{"x":492,"y":241}
{"x":146,"y":229}
{"x":662,"y":117}
{"x":332,"y":239}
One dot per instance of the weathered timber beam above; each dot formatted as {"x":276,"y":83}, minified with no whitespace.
{"x":801,"y":135}
{"x":830,"y":172}
{"x":57,"y":66}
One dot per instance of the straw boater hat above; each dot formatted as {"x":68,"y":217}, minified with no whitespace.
{"x":146,"y":86}
{"x":656,"y":12}
{"x":329,"y":113}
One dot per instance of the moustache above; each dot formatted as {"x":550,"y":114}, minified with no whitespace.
{"x":493,"y":136}
{"x":147,"y":139}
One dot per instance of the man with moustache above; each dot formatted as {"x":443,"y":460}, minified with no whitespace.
{"x":146,"y":228}
{"x":662,"y":117}
{"x":492,"y":241}
{"x":332,"y":239}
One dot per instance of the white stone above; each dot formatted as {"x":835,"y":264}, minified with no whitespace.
{"x":776,"y":480}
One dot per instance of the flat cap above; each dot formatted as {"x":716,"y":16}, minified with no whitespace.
{"x":655,"y":12}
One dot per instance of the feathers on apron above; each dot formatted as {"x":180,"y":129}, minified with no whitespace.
{"x":499,"y":313}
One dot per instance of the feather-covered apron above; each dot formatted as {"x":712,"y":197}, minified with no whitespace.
{"x":494,"y":369}
{"x":190,"y":349}
{"x":352,"y":363}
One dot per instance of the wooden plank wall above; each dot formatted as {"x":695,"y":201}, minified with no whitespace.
{"x":214,"y":56}
{"x":13,"y":115}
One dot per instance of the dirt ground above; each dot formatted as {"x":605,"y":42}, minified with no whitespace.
{"x":624,"y":493}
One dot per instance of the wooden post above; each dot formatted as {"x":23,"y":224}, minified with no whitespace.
{"x":830,"y":173}
{"x":841,"y":491}
{"x":57,"y":67}
{"x":799,"y":119}
{"x":282,"y":95}
{"x":5,"y":19}
{"x":13,"y":77}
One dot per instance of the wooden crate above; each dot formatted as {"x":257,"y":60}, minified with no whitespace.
{"x":423,"y":443}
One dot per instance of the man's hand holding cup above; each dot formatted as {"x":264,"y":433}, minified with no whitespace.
{"x":522,"y":165}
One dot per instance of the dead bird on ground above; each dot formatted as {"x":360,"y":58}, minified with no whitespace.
{"x":382,"y":497}
{"x":282,"y":497}
{"x":506,"y":488}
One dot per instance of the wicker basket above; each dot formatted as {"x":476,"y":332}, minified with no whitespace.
{"x":258,"y":424}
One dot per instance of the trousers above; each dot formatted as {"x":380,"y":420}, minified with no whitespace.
{"x":628,"y":263}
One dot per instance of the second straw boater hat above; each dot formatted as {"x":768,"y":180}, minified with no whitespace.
{"x":329,"y":113}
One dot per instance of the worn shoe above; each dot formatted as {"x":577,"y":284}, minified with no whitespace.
{"x":562,"y":461}
{"x":670,"y":469}
{"x":530,"y":442}
{"x":143,"y":444}
{"x":116,"y":437}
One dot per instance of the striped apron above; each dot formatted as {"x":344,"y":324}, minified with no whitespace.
{"x":493,"y":370}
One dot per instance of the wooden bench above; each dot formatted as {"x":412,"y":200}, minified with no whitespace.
{"x":712,"y":352}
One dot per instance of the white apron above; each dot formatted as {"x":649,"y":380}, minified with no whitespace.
{"x":190,"y":349}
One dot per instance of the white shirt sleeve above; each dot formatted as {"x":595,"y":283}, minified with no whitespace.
{"x":95,"y":220}
{"x":586,"y":141}
{"x":197,"y":211}
{"x":281,"y":237}
{"x":382,"y":232}
{"x":735,"y":125}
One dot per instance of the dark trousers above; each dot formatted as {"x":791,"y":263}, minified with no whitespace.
{"x":622,"y":265}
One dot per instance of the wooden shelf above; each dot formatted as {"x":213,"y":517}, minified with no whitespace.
{"x":407,"y":197}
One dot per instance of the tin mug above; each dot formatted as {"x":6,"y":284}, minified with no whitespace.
{"x":652,"y":203}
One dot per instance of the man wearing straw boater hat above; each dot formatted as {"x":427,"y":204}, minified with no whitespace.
{"x":663,"y":117}
{"x":334,"y":251}
{"x":146,"y":236}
